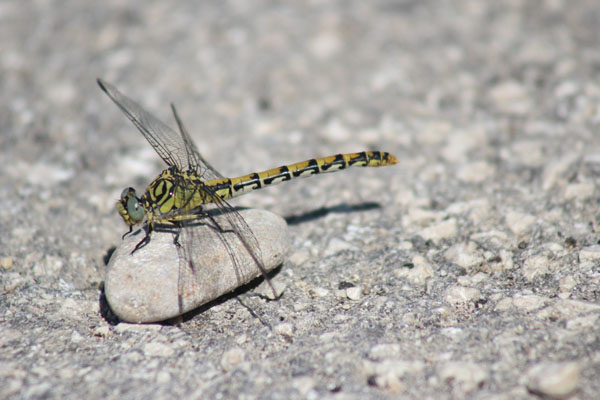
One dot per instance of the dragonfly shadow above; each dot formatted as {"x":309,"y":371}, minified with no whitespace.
{"x":342,"y":208}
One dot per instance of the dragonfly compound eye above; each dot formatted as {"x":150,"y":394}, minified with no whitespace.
{"x":134,"y":209}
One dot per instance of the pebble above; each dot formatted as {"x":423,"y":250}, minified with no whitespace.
{"x":443,"y":230}
{"x":590,"y":253}
{"x":579,"y":191}
{"x":511,"y":97}
{"x":388,"y":374}
{"x":354,"y":293}
{"x":464,"y":255}
{"x":232,"y":358}
{"x":420,"y":273}
{"x":385,"y":351}
{"x":554,"y":171}
{"x":555,"y":380}
{"x":460,"y":295}
{"x":475,"y":172}
{"x":530,"y":302}
{"x":582,"y":323}
{"x":320,"y":292}
{"x":518,"y":222}
{"x":147,"y":287}
{"x":285,"y":329}
{"x":535,"y":266}
{"x":158,"y":349}
{"x":468,"y":375}
{"x":529,"y":153}
{"x":337,"y":245}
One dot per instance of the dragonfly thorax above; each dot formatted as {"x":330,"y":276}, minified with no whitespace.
{"x":130,"y":208}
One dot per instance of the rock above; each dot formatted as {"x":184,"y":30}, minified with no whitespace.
{"x":554,"y":380}
{"x":469,"y":376}
{"x":232,"y":358}
{"x":475,"y":172}
{"x":530,"y":302}
{"x":385,"y":351}
{"x":535,"y":266}
{"x":457,"y":295}
{"x":590,"y":253}
{"x":442,"y":230}
{"x":464,"y":255}
{"x":579,"y":191}
{"x":518,"y":222}
{"x":152,"y":285}
{"x":354,"y":293}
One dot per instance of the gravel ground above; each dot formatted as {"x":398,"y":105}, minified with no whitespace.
{"x":470,"y":269}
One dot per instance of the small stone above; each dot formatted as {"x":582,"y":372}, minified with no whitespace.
{"x":66,"y":373}
{"x":243,"y":338}
{"x":102,"y":331}
{"x":285,"y":329}
{"x":456,"y":295}
{"x":555,"y":380}
{"x":464,"y":255}
{"x":152,"y":285}
{"x":529,"y":302}
{"x":337,"y":245}
{"x":511,"y":97}
{"x":590,"y":253}
{"x":554,"y":170}
{"x":504,"y":304}
{"x":163,"y":378}
{"x":518,"y":222}
{"x":6,"y":262}
{"x":388,"y":374}
{"x":420,"y":273}
{"x":384,"y":351}
{"x":567,"y":283}
{"x":232,"y":358}
{"x":475,"y":172}
{"x":265,"y":290}
{"x":443,"y":230}
{"x":158,"y":349}
{"x":136,"y":329}
{"x":581,"y":323}
{"x":529,"y":153}
{"x":419,"y":216}
{"x":535,"y":266}
{"x":320,"y":292}
{"x":354,"y":293}
{"x":76,"y":337}
{"x":300,"y":256}
{"x":303,"y":384}
{"x":579,"y":191}
{"x":466,"y":374}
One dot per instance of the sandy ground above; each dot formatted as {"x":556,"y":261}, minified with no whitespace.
{"x":470,"y":269}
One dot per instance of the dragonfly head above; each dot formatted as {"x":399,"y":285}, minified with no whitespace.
{"x":130,"y":208}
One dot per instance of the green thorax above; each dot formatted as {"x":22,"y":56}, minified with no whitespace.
{"x":172,"y":194}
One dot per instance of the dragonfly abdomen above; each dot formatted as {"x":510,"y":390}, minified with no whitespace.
{"x":227,"y":188}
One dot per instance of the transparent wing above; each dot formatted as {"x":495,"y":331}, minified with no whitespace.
{"x":194,"y":157}
{"x":169,"y":145}
{"x":229,"y":227}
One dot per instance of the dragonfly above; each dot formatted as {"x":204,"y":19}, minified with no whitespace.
{"x":181,"y":195}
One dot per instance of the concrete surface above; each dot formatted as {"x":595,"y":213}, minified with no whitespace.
{"x":470,"y":269}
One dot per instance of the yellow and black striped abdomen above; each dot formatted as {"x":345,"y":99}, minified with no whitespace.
{"x":227,"y":188}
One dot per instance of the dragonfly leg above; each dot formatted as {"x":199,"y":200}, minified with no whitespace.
{"x":144,"y":241}
{"x":128,"y":232}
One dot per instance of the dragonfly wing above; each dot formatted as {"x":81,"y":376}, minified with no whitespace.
{"x":195,"y":159}
{"x":228,"y":226}
{"x":169,"y":145}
